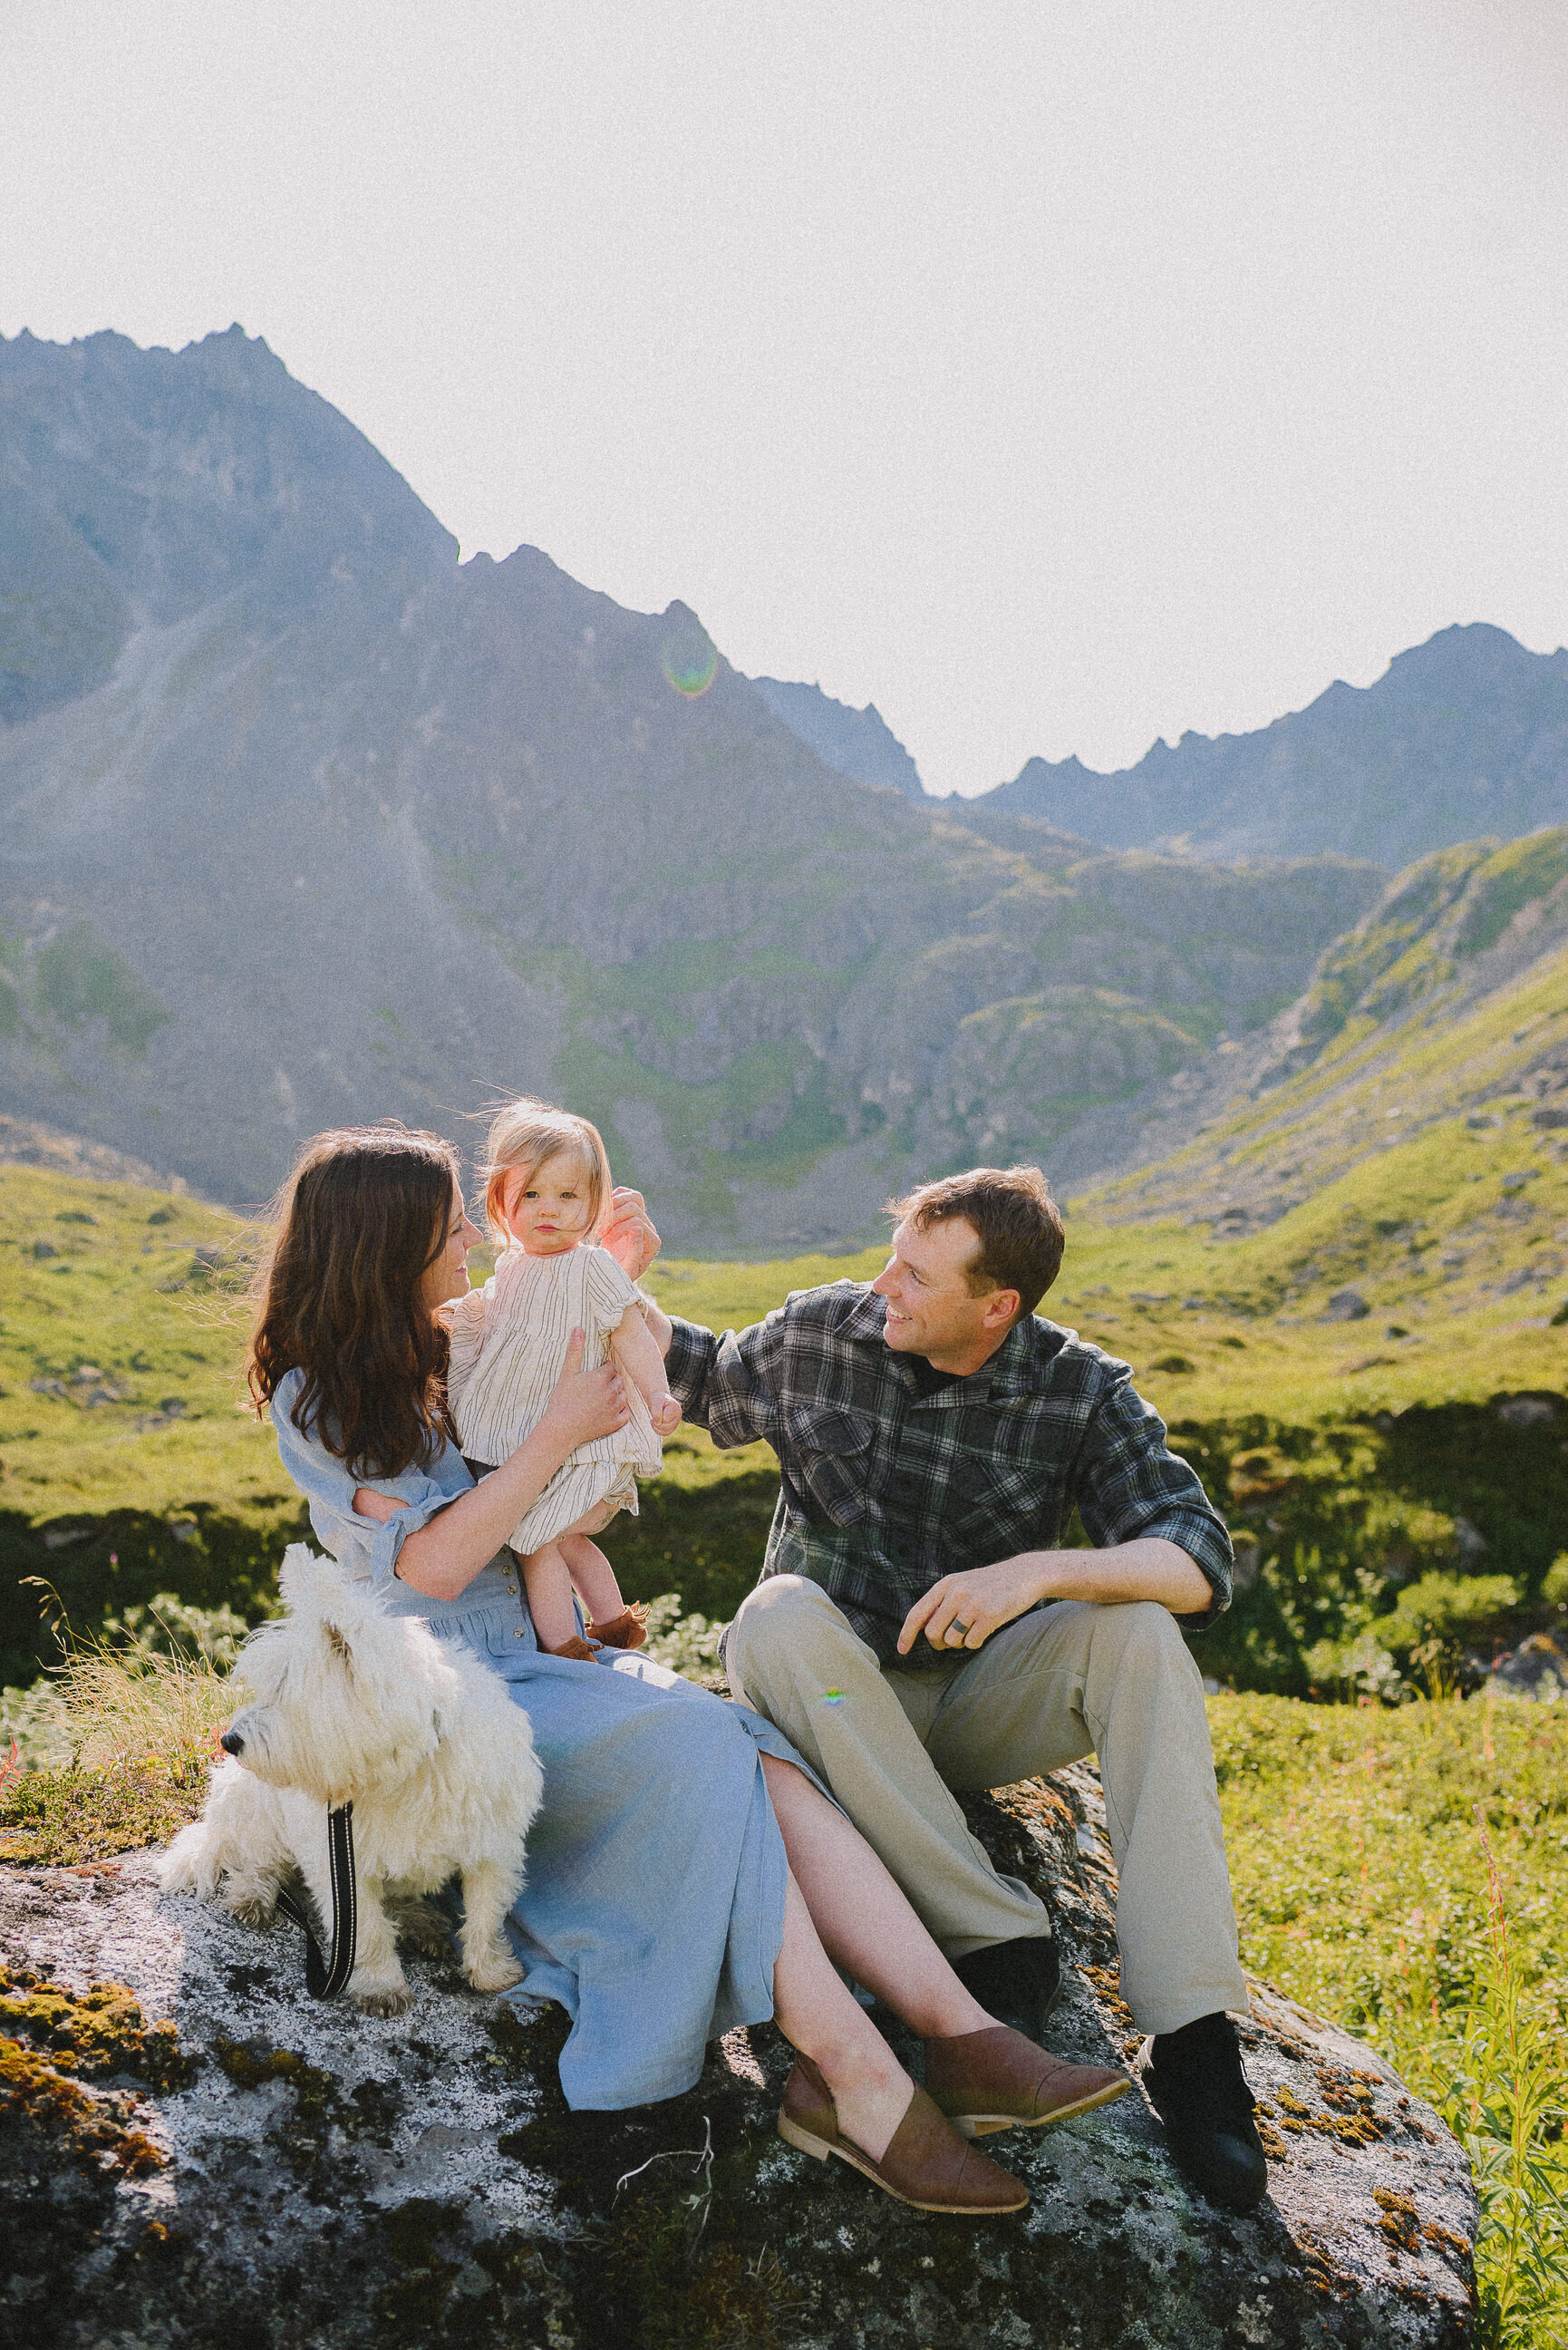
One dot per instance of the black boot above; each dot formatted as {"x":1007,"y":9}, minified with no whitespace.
{"x":1017,"y":1982}
{"x":1197,"y":2086}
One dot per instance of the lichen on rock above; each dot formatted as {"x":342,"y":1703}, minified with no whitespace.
{"x":193,"y":2153}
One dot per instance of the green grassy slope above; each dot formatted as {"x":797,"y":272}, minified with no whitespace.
{"x":1447,"y":1001}
{"x":1351,"y":1457}
{"x":126,"y":1465}
{"x":1359,"y":1841}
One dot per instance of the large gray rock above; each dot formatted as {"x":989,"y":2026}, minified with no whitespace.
{"x":296,"y":2174}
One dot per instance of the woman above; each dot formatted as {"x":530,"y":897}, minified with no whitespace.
{"x":686,"y":1874}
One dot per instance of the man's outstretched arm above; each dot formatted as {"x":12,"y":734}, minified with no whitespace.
{"x":989,"y":1597}
{"x":725,"y":1383}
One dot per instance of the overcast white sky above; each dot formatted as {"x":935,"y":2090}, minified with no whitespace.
{"x":1053,"y":375}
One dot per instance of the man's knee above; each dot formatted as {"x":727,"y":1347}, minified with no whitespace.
{"x":782,"y":1624}
{"x":1144,"y":1639}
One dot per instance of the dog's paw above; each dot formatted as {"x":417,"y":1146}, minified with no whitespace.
{"x":422,"y":1927}
{"x":496,"y":1970}
{"x":382,"y":2002}
{"x":252,"y":1908}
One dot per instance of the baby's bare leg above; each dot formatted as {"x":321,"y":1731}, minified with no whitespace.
{"x":548,"y":1580}
{"x":593,"y":1575}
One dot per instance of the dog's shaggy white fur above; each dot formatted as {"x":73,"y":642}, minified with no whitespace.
{"x":352,"y":1704}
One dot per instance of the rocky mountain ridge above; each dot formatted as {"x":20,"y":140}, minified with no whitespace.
{"x":855,"y":743}
{"x":1465,"y":734}
{"x":306,"y":822}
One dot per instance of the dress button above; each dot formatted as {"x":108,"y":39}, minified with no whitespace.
{"x":518,"y":1634}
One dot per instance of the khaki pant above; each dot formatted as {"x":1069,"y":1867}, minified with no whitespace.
{"x":1060,"y":1683}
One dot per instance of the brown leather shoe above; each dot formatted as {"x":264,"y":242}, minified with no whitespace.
{"x":926,"y":2164}
{"x":576,"y":1649}
{"x":996,"y":2079}
{"x":627,"y":1630}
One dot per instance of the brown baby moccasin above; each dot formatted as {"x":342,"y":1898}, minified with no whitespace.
{"x":926,"y":2163}
{"x":627,"y":1630}
{"x":997,"y":2080}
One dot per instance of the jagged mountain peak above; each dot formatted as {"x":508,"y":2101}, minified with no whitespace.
{"x":858,"y":743}
{"x":305,"y":822}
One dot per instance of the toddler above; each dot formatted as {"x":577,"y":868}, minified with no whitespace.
{"x":548,"y":1192}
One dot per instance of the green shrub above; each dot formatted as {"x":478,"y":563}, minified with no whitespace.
{"x":1348,"y":1670}
{"x":1446,"y":1607}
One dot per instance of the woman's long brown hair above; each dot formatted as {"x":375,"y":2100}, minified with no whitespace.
{"x":339,"y":1293}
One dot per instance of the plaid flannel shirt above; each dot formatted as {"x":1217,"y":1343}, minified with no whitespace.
{"x":885,"y":1490}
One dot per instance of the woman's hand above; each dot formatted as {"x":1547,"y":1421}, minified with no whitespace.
{"x":627,"y":1232}
{"x":584,"y":1404}
{"x":368,"y":1503}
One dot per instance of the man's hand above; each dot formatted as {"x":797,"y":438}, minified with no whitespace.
{"x":963,"y":1611}
{"x":627,"y":1232}
{"x":980,"y":1602}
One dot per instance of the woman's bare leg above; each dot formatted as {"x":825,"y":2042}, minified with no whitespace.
{"x":817,"y":2015}
{"x":861,"y":1920}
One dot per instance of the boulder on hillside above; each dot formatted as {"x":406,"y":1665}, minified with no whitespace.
{"x":193,"y":2153}
{"x":1537,"y":1668}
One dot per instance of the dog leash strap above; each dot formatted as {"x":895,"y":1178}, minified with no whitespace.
{"x":324,"y":1979}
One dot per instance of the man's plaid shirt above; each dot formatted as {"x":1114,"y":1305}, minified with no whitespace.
{"x":885,"y":1490}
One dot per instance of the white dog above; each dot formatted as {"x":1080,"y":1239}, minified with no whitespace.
{"x":352,"y":1704}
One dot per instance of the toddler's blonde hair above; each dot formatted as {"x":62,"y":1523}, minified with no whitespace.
{"x":522,"y":1135}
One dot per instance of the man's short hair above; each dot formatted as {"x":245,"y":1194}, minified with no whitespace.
{"x":1019,"y":1224}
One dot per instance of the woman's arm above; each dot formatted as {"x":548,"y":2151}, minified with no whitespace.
{"x":442,"y":1558}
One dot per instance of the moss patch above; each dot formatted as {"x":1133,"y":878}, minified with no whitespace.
{"x":67,"y":1817}
{"x":93,"y":2033}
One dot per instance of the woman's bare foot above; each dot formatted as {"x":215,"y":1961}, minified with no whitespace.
{"x":870,"y":2099}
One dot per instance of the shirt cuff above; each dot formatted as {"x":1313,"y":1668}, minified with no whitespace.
{"x":686,"y":1362}
{"x":386,"y":1541}
{"x":1207,"y":1545}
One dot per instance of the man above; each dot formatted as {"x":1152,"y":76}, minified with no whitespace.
{"x":917,"y":1628}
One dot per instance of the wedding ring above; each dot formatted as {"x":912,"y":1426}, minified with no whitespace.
{"x":962,"y":1629}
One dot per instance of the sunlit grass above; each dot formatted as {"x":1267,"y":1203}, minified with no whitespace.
{"x":1405,"y":1873}
{"x":124,"y":1708}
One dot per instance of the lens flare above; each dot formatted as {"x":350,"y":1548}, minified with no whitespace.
{"x":689,"y":658}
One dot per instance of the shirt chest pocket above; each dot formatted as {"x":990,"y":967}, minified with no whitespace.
{"x":1004,"y":1506}
{"x":830,"y":1456}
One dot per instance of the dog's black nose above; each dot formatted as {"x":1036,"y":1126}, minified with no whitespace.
{"x":231,"y":1743}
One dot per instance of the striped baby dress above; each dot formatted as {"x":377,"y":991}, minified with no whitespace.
{"x":508,"y":1342}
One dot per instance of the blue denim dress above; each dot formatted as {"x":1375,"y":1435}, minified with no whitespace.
{"x":654,"y":1904}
